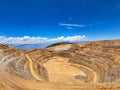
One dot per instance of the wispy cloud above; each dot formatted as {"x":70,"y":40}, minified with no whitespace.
{"x":71,"y":25}
{"x":35,"y":40}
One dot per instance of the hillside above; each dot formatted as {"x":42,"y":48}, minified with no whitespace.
{"x":65,"y":66}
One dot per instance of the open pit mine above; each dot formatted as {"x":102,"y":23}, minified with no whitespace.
{"x":65,"y":66}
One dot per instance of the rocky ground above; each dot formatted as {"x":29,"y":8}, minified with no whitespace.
{"x":86,"y":66}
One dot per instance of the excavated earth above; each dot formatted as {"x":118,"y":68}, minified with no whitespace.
{"x":86,"y":66}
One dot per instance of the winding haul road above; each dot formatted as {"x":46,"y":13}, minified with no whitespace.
{"x":95,"y":78}
{"x":31,"y":66}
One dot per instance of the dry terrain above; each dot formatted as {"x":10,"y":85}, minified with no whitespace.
{"x":86,"y":66}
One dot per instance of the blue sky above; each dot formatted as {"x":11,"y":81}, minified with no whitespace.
{"x":51,"y":19}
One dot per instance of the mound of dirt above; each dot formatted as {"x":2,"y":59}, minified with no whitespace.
{"x":64,"y":66}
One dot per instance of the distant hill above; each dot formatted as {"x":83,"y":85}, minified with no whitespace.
{"x":59,"y":43}
{"x":41,"y":45}
{"x":29,"y":46}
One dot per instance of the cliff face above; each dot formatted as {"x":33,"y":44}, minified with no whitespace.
{"x":65,"y":66}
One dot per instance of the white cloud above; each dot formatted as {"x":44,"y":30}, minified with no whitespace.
{"x":35,"y":40}
{"x":69,"y":27}
{"x":72,"y":25}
